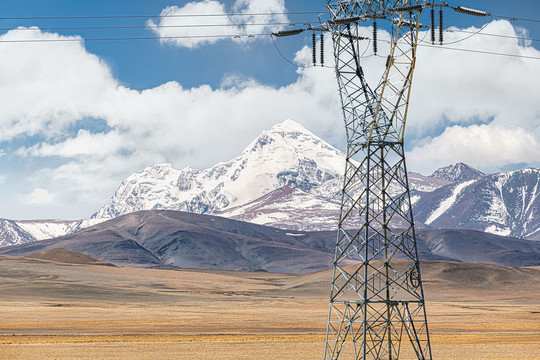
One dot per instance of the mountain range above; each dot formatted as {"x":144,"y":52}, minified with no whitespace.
{"x":173,"y":239}
{"x":291,"y":179}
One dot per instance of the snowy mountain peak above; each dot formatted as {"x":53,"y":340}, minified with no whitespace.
{"x":289,"y":126}
{"x":286,"y":154}
{"x":13,"y":234}
{"x":457,"y":173}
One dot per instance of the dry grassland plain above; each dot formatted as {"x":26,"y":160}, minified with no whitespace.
{"x":50,"y":310}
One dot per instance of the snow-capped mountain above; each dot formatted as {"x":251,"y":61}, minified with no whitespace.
{"x":505,"y":204}
{"x":286,"y":154}
{"x":457,"y":173}
{"x":291,"y":179}
{"x":13,"y":234}
{"x":47,"y":229}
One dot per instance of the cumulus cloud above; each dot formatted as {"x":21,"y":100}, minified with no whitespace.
{"x":460,"y":87}
{"x":40,"y":197}
{"x":460,"y":100}
{"x":84,"y":144}
{"x":48,"y":86}
{"x":488,"y":147}
{"x":207,"y":22}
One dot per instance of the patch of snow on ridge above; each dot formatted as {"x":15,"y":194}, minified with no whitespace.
{"x":47,"y":229}
{"x":448,"y":202}
{"x":414,"y":199}
{"x":496,"y":230}
{"x":497,"y":211}
{"x":42,"y":230}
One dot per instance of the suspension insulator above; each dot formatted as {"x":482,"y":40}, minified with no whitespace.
{"x":288,"y":32}
{"x":432,"y":26}
{"x":344,"y":21}
{"x":375,"y":37}
{"x":407,"y":8}
{"x":322,"y":49}
{"x":314,"y":49}
{"x":441,"y":30}
{"x":468,"y":11}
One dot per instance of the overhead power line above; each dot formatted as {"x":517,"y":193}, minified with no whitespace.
{"x":494,"y":35}
{"x":231,"y":36}
{"x":72,"y":39}
{"x":232,"y":25}
{"x":139,"y":16}
{"x":511,"y":18}
{"x":152,"y":27}
{"x":481,"y":52}
{"x":125,"y":38}
{"x":155,"y":16}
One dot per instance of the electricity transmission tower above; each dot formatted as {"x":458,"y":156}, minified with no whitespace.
{"x":377,"y":308}
{"x":377,"y":301}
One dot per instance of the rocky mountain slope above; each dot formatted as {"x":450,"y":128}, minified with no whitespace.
{"x":507,"y":204}
{"x":289,"y":208}
{"x":166,"y":239}
{"x":13,"y":234}
{"x":457,"y":173}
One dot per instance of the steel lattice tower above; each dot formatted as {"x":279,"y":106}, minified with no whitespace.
{"x":377,"y":302}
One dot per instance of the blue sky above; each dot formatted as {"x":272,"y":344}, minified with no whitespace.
{"x":79,"y":117}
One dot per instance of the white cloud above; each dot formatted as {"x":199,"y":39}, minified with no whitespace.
{"x":524,"y":36}
{"x":47,"y":86}
{"x":84,"y":144}
{"x":207,"y":22}
{"x":486,"y":146}
{"x":457,"y":87}
{"x":40,"y":197}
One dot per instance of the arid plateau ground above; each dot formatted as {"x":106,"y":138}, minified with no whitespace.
{"x":55,"y":310}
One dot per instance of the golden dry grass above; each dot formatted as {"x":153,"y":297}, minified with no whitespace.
{"x":58,"y":311}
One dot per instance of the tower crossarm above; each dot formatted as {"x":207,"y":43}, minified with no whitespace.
{"x":379,"y":121}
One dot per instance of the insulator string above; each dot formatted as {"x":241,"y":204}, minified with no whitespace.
{"x":441,"y":31}
{"x":314,"y":49}
{"x":432,"y":26}
{"x":375,"y":37}
{"x":322,"y":49}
